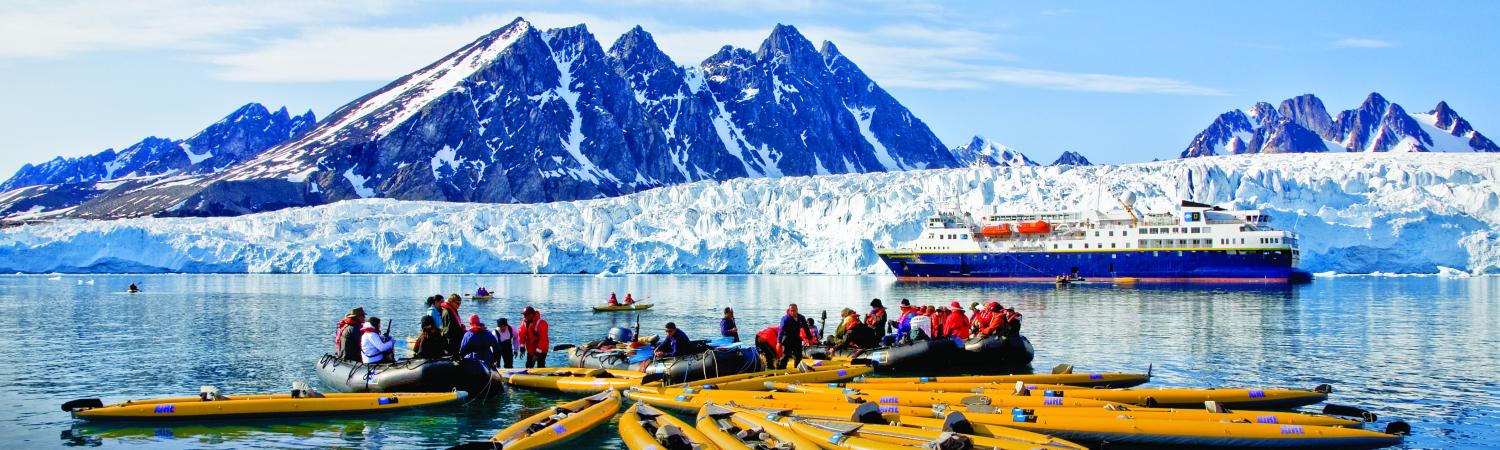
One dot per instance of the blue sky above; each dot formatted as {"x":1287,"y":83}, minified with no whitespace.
{"x":1117,"y":81}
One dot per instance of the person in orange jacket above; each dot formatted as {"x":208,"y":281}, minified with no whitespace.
{"x":995,"y":323}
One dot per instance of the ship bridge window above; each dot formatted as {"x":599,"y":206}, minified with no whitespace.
{"x":1111,"y":233}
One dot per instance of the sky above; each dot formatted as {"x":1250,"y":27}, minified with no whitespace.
{"x":1117,"y":81}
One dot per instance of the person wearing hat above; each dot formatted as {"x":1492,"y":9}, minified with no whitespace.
{"x":533,"y":338}
{"x":430,"y":343}
{"x":346,"y":340}
{"x":479,"y":344}
{"x":877,"y":318}
{"x":374,"y":348}
{"x":845,"y":317}
{"x":505,"y":336}
{"x":956,"y":324}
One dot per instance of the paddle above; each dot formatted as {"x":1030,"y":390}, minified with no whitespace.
{"x":823,"y":323}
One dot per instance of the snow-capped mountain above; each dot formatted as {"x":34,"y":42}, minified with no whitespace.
{"x":1302,"y":124}
{"x":983,"y":152}
{"x":1354,"y":213}
{"x":524,"y":115}
{"x":243,"y":133}
{"x":67,"y":182}
{"x":1071,"y":158}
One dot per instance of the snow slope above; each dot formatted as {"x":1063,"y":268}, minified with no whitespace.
{"x":1358,"y":213}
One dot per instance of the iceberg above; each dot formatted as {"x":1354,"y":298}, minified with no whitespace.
{"x":1411,"y":213}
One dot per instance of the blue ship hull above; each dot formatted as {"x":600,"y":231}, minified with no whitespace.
{"x":1187,"y":265}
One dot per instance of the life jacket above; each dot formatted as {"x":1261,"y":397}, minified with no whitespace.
{"x":612,"y":300}
{"x":875,"y":314}
{"x":338,"y":332}
{"x":956,"y":325}
{"x":628,"y":300}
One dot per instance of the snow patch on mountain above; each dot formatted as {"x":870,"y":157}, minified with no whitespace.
{"x":1356,"y":213}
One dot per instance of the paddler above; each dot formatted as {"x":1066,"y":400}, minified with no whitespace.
{"x":628,"y":299}
{"x":612,"y":300}
{"x":346,"y":339}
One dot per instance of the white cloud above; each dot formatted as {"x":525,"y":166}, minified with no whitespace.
{"x":1092,"y":82}
{"x":57,"y":29}
{"x":1361,"y":43}
{"x":895,"y":55}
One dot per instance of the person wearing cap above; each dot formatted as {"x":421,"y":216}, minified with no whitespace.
{"x":375,"y":348}
{"x":1012,"y":320}
{"x":995,"y":321}
{"x":676,"y":343}
{"x":346,"y":340}
{"x":533,"y":338}
{"x":479,"y":344}
{"x":505,"y":336}
{"x":845,"y":316}
{"x":876,"y":318}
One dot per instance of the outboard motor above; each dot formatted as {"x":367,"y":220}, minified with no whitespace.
{"x":621,"y":334}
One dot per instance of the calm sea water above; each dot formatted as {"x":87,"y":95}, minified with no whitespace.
{"x":1424,"y":350}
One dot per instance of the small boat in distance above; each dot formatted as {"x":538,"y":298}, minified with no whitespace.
{"x":1194,"y":243}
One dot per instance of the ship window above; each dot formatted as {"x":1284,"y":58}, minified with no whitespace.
{"x":1096,"y":234}
{"x":1085,"y":245}
{"x":1124,"y":233}
{"x":1142,"y":231}
{"x":1070,"y":246}
{"x":1111,"y":233}
{"x":965,"y":236}
{"x":1111,"y":245}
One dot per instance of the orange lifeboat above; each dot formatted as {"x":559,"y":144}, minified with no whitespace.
{"x":996,"y":231}
{"x":1038,"y":227}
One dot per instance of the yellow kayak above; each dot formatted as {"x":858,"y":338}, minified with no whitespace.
{"x":560,"y":423}
{"x":837,"y":435}
{"x":644,"y":428}
{"x":635,"y":307}
{"x":691,"y":399}
{"x":952,"y":399}
{"x":1125,"y":429}
{"x":1178,"y":397}
{"x":483,"y":297}
{"x":1112,"y":380}
{"x":875,"y":427}
{"x":716,"y":382}
{"x":256,"y":406}
{"x":740,"y":430}
{"x":762,"y":383}
{"x":572,"y":379}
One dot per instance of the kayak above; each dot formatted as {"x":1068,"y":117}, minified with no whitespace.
{"x":1092,"y":379}
{"x":712,"y":383}
{"x":765,"y":382}
{"x":255,"y":406}
{"x":560,"y":423}
{"x":572,"y":379}
{"x":408,"y":375}
{"x":483,"y":297}
{"x":836,"y":435}
{"x":709,"y":362}
{"x":868,"y":413}
{"x":996,"y":414}
{"x":1179,"y":397}
{"x":1125,"y":429}
{"x":690,"y":399}
{"x":741,"y":430}
{"x":635,"y":307}
{"x":644,"y":428}
{"x":951,"y":399}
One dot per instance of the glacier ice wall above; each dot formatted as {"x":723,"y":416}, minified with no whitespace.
{"x":1357,"y":213}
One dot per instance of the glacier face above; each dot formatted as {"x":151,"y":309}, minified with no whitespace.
{"x":1357,"y":213}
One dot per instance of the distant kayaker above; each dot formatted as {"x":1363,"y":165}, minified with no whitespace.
{"x":793,"y":329}
{"x":430,"y":343}
{"x":133,"y":288}
{"x":727,"y":327}
{"x":877,"y":318}
{"x":451,"y":324}
{"x":375,"y":348}
{"x":479,"y":344}
{"x":505,"y":336}
{"x":533,"y":338}
{"x":628,"y":299}
{"x":346,"y":339}
{"x":481,"y":292}
{"x":612,"y":300}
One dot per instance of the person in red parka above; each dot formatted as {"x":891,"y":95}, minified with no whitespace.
{"x":995,"y":325}
{"x":956,"y":324}
{"x":766,"y":343}
{"x":533,"y":337}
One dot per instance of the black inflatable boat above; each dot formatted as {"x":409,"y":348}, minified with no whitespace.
{"x":708,"y":362}
{"x":410,"y":375}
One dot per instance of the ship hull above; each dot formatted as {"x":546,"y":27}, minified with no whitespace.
{"x":1173,"y":266}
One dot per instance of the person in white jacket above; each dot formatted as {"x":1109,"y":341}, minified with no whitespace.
{"x":374,"y":348}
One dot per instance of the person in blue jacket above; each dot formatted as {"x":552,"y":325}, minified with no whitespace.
{"x":794,"y":329}
{"x":727,"y":327}
{"x":479,"y":344}
{"x":676,"y":343}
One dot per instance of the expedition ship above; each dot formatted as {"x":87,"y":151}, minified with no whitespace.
{"x":1195,"y":243}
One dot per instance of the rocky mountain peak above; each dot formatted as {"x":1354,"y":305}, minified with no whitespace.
{"x":1071,"y":158}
